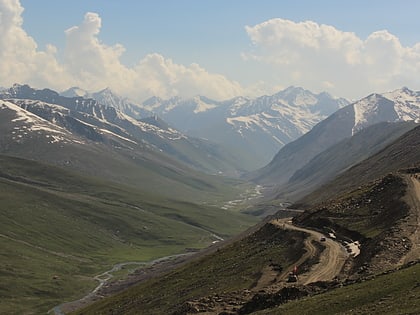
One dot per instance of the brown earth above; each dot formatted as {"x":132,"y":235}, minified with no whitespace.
{"x":322,"y":261}
{"x":413,"y":220}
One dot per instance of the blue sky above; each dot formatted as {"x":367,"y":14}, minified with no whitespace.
{"x":162,"y":39}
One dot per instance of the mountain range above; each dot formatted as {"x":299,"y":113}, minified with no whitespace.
{"x":264,"y":124}
{"x":302,"y":155}
{"x":90,"y":180}
{"x":292,"y":109}
{"x":87,"y":119}
{"x":110,"y":99}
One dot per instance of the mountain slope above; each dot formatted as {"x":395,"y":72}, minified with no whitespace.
{"x":400,"y":105}
{"x":60,"y":228}
{"x":264,"y":124}
{"x":102,"y":153}
{"x":402,"y":153}
{"x":296,"y":154}
{"x":339,"y":157}
{"x":231,"y":269}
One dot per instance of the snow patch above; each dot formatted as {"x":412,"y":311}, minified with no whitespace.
{"x":29,"y":124}
{"x":363,"y":110}
{"x":305,"y":99}
{"x":116,"y":135}
{"x":202,"y":106}
{"x":353,"y":248}
{"x":32,"y":122}
{"x":407,"y":103}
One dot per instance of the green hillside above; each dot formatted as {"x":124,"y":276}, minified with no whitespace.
{"x":402,"y":153}
{"x":59,"y":228}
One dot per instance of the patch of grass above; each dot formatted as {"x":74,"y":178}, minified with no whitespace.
{"x":394,"y":293}
{"x":32,"y":280}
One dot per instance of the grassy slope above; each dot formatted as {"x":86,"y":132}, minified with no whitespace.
{"x":402,"y":153}
{"x":234,"y":267}
{"x":336,"y":159}
{"x":57,"y":222}
{"x":394,"y":293}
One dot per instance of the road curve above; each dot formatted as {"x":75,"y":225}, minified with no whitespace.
{"x":331,"y":259}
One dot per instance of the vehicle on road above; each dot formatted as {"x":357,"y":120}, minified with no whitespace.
{"x":292,"y":277}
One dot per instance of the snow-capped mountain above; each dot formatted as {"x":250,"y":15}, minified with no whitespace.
{"x":27,"y":124}
{"x":110,"y":99}
{"x":399,"y":105}
{"x":256,"y":128}
{"x":86,"y":121}
{"x":75,"y":92}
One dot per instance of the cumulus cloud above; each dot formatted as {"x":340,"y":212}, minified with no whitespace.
{"x":97,"y":65}
{"x":91,"y":64}
{"x":314,"y":56}
{"x":320,"y":57}
{"x":20,"y":60}
{"x":160,"y":76}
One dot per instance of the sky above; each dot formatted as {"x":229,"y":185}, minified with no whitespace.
{"x":216,"y":48}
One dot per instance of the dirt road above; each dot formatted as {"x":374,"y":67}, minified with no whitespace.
{"x":331,"y":259}
{"x":413,"y":200}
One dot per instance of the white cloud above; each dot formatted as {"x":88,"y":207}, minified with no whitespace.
{"x":91,"y":64}
{"x":321,"y":57}
{"x":317,"y":57}
{"x":20,"y":61}
{"x":160,"y":76}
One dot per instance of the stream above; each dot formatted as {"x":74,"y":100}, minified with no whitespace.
{"x":104,"y":277}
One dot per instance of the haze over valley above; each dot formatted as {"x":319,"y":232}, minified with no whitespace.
{"x":271,"y":167}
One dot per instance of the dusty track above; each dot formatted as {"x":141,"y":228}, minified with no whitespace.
{"x":331,"y":260}
{"x":413,"y":200}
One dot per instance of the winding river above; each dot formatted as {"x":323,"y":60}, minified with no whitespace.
{"x":104,"y":277}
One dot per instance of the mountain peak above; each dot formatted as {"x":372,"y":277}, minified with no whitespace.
{"x":293,"y":89}
{"x":106,"y":91}
{"x":152,"y":100}
{"x":75,"y":92}
{"x":405,"y":89}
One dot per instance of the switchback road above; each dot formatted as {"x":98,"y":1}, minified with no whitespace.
{"x":331,"y":259}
